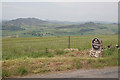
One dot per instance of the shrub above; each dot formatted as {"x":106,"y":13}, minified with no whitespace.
{"x":59,"y":52}
{"x":22,"y":70}
{"x":101,"y":60}
{"x":5,"y":73}
{"x":109,"y":51}
{"x":66,"y":51}
{"x":46,"y":50}
{"x":78,"y":65}
{"x":49,"y":55}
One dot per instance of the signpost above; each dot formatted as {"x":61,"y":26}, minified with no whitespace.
{"x":96,"y":50}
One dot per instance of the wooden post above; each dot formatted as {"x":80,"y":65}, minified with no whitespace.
{"x":101,"y":49}
{"x":69,"y":42}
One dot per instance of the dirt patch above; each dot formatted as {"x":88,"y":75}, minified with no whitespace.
{"x":78,"y":53}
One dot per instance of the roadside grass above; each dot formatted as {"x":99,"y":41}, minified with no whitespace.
{"x":22,"y":70}
{"x":5,"y":73}
{"x":22,"y":56}
{"x":53,"y":64}
{"x":78,"y":65}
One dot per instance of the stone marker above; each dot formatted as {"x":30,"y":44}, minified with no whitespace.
{"x":96,"y":50}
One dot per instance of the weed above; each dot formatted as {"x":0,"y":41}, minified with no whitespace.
{"x":43,"y":70}
{"x":109,"y":51}
{"x":58,"y":69}
{"x":101,"y":60}
{"x":72,"y":55}
{"x":46,"y":50}
{"x":22,"y":70}
{"x":78,"y":64}
{"x":66,"y":51}
{"x":90,"y":61}
{"x":5,"y":73}
{"x":97,"y":65}
{"x":59,"y":52}
{"x":50,"y":55}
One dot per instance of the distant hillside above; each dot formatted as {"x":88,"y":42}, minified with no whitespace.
{"x":22,"y":23}
{"x":89,"y":28}
{"x":33,"y":27}
{"x":88,"y":24}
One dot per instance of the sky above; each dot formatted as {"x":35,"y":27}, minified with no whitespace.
{"x":60,"y":0}
{"x":62,"y":11}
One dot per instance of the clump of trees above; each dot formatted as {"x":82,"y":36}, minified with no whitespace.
{"x":37,"y":33}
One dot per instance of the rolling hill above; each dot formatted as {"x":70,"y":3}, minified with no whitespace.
{"x":33,"y":27}
{"x":18,"y":24}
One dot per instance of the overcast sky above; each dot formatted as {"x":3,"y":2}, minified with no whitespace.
{"x":61,"y":11}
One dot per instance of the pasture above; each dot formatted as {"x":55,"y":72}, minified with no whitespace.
{"x":14,"y":48}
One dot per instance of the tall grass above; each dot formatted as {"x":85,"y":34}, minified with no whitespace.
{"x":13,"y":48}
{"x":22,"y":70}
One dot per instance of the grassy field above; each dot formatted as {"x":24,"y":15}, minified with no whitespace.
{"x":22,"y":56}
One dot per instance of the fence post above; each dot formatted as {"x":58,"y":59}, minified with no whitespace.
{"x":69,"y":42}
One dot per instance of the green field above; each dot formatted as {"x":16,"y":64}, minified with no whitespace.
{"x":14,"y":48}
{"x":22,"y":56}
